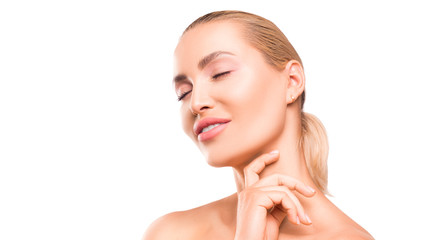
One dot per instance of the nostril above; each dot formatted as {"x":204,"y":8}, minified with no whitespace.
{"x":200,"y":102}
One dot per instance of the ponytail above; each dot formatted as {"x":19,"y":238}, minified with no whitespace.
{"x":314,"y":143}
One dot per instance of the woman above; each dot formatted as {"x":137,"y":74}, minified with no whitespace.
{"x":241,"y":84}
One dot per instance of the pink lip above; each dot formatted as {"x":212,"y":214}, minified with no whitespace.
{"x":198,"y":127}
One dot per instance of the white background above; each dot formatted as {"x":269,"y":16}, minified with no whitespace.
{"x":91,"y":145}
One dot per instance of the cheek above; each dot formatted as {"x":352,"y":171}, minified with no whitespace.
{"x":255,"y":96}
{"x":187,"y":121}
{"x":257,"y":105}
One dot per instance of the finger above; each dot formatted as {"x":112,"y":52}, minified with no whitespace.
{"x":253,"y":170}
{"x":300,"y":212}
{"x":282,"y":199}
{"x":303,"y":217}
{"x":287,"y":181}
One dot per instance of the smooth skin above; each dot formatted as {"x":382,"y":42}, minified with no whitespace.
{"x":276,"y":197}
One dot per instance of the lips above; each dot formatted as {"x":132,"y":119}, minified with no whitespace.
{"x":206,"y":122}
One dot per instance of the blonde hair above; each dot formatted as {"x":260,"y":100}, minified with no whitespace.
{"x":277,"y":50}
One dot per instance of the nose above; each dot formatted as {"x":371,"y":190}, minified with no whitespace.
{"x":201,"y":100}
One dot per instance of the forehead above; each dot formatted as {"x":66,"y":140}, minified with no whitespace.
{"x":207,"y":38}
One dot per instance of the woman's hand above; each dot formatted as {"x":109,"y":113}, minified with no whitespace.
{"x":264,"y":203}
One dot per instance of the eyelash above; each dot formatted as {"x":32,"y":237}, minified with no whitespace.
{"x":217,"y":76}
{"x":183,"y":95}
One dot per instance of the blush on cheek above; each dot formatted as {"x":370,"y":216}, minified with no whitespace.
{"x":187,"y":120}
{"x":258,"y":117}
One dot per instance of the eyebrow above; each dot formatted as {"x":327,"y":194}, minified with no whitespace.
{"x":202,"y":63}
{"x":209,"y":58}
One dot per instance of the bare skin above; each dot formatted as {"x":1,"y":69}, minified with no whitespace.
{"x":276,"y":197}
{"x":218,"y":220}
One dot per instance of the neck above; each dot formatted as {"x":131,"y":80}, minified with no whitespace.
{"x":291,"y":162}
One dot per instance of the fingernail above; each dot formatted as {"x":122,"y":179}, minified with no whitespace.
{"x":311,"y":189}
{"x":274,"y":152}
{"x":308,"y":219}
{"x":298,"y":222}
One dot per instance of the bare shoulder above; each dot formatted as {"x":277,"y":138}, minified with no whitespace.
{"x":344,"y":227}
{"x":190,"y":224}
{"x":169,"y":226}
{"x":351,"y":234}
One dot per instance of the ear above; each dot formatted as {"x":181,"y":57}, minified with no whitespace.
{"x":296,"y":80}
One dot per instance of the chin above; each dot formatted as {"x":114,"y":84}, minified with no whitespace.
{"x":227,"y":158}
{"x":218,"y":161}
{"x":237,"y":151}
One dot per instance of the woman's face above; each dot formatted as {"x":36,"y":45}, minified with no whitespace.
{"x":233,"y":101}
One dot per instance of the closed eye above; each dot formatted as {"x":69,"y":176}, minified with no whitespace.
{"x":180,"y":97}
{"x":219,"y":75}
{"x":215,"y":77}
